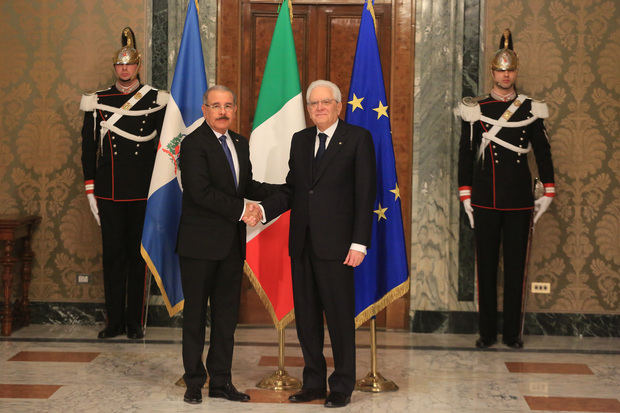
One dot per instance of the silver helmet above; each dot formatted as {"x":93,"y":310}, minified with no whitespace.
{"x":505,"y":58}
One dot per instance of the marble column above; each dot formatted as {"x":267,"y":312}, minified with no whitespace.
{"x":177,"y":10}
{"x":444,"y":31}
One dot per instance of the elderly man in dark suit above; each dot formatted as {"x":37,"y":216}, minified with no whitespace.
{"x":216,"y":174}
{"x":330,"y":189}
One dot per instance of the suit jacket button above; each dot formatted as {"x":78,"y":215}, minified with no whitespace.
{"x":311,"y":192}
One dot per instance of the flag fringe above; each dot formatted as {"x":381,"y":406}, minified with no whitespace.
{"x":172,"y":310}
{"x":380,"y":304}
{"x":280,"y":324}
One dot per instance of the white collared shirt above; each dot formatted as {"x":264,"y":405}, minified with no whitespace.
{"x":329,"y":132}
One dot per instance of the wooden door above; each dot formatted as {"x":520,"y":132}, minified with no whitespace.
{"x":325,"y":40}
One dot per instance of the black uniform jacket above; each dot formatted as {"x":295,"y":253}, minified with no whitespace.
{"x":334,"y":202}
{"x":212,"y":206}
{"x":502,"y":180}
{"x":121,"y":168}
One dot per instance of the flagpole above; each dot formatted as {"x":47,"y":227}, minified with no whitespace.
{"x":280,"y":379}
{"x":374,"y":382}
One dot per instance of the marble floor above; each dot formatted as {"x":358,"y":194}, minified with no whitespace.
{"x":52,"y":368}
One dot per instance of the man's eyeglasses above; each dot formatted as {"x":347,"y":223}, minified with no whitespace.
{"x":216,"y":107}
{"x":314,"y":103}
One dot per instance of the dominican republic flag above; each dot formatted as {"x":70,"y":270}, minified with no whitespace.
{"x":279,"y":114}
{"x":383,"y":276}
{"x":163,"y":207}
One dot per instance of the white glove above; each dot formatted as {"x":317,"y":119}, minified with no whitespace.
{"x":93,"y":207}
{"x":540,"y":206}
{"x":469,"y":211}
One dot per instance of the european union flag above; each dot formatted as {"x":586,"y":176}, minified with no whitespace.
{"x":383,"y":276}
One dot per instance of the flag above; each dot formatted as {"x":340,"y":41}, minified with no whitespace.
{"x":279,"y":114}
{"x":163,"y":207}
{"x":383,"y":276}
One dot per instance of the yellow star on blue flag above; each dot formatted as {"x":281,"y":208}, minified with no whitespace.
{"x":381,"y":110}
{"x":380,"y":212}
{"x":383,"y":276}
{"x":356,"y":103}
{"x":396,"y":192}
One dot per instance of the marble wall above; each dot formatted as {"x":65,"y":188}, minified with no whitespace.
{"x":168,"y":41}
{"x":439,"y":44}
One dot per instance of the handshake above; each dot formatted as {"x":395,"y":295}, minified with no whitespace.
{"x":252,"y":214}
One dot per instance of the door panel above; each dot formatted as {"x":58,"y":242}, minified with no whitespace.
{"x":325,"y":40}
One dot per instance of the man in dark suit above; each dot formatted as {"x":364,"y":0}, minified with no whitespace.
{"x":330,"y":189}
{"x":216,"y":175}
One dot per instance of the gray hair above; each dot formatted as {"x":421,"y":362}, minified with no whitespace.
{"x":324,"y":83}
{"x":221,"y":88}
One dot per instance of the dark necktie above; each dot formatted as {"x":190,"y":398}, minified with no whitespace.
{"x":229,"y":157}
{"x":321,"y":150}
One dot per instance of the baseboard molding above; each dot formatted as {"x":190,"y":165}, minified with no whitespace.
{"x":552,"y":324}
{"x":449,"y":322}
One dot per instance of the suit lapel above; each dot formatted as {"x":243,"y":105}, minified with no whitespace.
{"x":335,"y":144}
{"x":308,"y":154}
{"x":218,"y":152}
{"x":243,"y":170}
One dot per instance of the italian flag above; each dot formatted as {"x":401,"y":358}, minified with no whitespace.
{"x":279,"y":114}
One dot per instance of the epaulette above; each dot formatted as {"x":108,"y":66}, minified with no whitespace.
{"x":473,"y":101}
{"x":540,"y":109}
{"x":469,"y":109}
{"x":88,"y":102}
{"x":162,"y":97}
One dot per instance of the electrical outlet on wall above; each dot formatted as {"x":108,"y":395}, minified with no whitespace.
{"x":541,"y":288}
{"x":83,"y":278}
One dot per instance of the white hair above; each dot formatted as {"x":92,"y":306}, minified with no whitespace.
{"x":221,"y":88}
{"x":324,"y":83}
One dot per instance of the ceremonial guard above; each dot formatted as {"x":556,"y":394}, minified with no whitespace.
{"x":119,"y":141}
{"x":496,"y":189}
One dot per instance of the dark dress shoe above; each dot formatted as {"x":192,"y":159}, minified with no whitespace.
{"x":134,"y":334}
{"x":109,"y":333}
{"x":337,"y":399}
{"x":485,"y":342}
{"x":228,"y":391}
{"x":193,"y":395}
{"x":516,"y":343}
{"x":307,"y":395}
